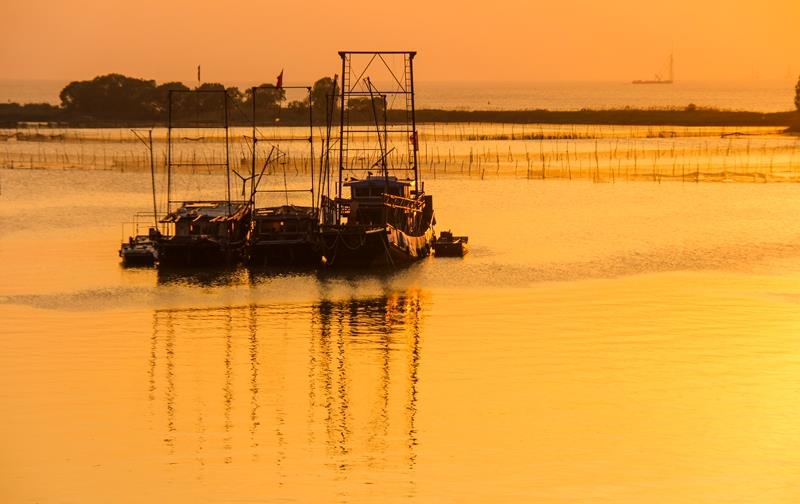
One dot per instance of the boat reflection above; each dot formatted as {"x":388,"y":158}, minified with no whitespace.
{"x":202,"y":277}
{"x":251,"y":384}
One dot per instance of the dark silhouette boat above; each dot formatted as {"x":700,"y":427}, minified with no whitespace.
{"x":386,"y":219}
{"x":385,"y":222}
{"x":201,"y":233}
{"x":448,"y":245}
{"x":140,"y":250}
{"x":206,"y":233}
{"x":284,"y":234}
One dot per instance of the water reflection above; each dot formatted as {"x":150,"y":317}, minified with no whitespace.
{"x":202,"y":277}
{"x":332,"y":384}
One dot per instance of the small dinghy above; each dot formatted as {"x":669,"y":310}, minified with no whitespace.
{"x":139,"y":251}
{"x":447,"y":245}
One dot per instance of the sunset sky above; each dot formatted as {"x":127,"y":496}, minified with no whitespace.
{"x":502,"y":40}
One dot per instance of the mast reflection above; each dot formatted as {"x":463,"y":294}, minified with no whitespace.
{"x":332,"y":384}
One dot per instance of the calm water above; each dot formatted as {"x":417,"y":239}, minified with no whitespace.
{"x":630,"y":342}
{"x":764,"y":97}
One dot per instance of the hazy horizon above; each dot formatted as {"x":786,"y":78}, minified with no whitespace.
{"x":513,"y":41}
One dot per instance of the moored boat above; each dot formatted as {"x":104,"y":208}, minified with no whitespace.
{"x":448,"y":245}
{"x":284,"y":235}
{"x":140,"y":250}
{"x":199,"y":232}
{"x":206,"y":233}
{"x":384,"y":223}
{"x":387,"y":218}
{"x":284,"y":225}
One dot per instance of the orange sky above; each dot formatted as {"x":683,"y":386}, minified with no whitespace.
{"x":499,"y":40}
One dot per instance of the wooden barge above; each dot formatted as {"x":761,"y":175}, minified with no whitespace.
{"x":206,"y":233}
{"x":284,"y":236}
{"x":285,"y":233}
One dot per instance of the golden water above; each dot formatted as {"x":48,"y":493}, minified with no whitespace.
{"x":630,"y":342}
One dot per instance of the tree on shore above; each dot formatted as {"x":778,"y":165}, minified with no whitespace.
{"x":268,"y":102}
{"x":321,"y":93}
{"x":797,"y":95}
{"x":112,"y":96}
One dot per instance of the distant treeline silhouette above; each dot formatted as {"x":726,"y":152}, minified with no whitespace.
{"x":116,"y":99}
{"x":119,"y":100}
{"x":796,"y":123}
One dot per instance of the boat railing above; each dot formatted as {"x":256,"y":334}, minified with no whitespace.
{"x":412,"y":205}
{"x":139,"y":225}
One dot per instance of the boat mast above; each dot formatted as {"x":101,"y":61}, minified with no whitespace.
{"x":169,"y":151}
{"x":149,"y":145}
{"x":227,"y":154}
{"x":414,"y":137}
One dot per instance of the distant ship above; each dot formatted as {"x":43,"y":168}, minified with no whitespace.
{"x":658,"y":79}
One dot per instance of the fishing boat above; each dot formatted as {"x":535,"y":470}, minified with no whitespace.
{"x":448,"y":245}
{"x":140,"y":250}
{"x":376,"y":219}
{"x":205,"y":233}
{"x":285,"y":233}
{"x":200,"y":232}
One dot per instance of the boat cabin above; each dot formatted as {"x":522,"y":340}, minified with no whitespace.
{"x":378,"y":200}
{"x":375,"y":186}
{"x":214,"y":219}
{"x":282,"y":221}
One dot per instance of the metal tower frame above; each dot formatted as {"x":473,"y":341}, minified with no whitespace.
{"x":397,"y":127}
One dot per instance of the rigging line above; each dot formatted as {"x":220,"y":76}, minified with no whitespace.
{"x":255,"y":188}
{"x":382,"y":158}
{"x":362,"y":72}
{"x":391,"y":72}
{"x":330,"y":109}
{"x":255,"y":127}
{"x":285,"y":185}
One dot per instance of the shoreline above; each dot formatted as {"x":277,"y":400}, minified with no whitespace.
{"x":14,"y":116}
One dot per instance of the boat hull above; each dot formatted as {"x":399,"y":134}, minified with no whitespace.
{"x":346,"y":247}
{"x":138,"y":259}
{"x":138,"y":251}
{"x":197,"y":252}
{"x":284,"y":253}
{"x":456,"y":249}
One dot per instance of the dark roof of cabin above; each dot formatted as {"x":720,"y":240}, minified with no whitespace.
{"x":377,"y":180}
{"x":279,"y":212}
{"x":214,"y":210}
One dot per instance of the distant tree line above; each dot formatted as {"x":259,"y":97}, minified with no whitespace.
{"x":797,"y":95}
{"x":119,"y":100}
{"x":116,"y":97}
{"x":795,"y":127}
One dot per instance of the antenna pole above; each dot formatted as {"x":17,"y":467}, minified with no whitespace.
{"x":169,"y":150}
{"x":153,"y":177}
{"x":227,"y":153}
{"x":311,"y":142}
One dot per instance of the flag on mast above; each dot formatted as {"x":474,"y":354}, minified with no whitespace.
{"x":279,"y":83}
{"x":198,"y":74}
